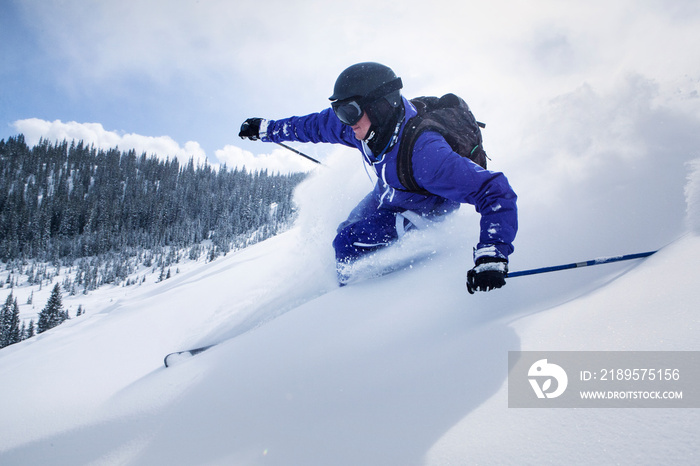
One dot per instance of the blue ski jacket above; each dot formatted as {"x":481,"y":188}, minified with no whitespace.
{"x":451,"y":178}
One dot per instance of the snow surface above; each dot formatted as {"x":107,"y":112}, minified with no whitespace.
{"x":404,"y":369}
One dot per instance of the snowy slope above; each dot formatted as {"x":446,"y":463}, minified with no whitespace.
{"x":403,"y":369}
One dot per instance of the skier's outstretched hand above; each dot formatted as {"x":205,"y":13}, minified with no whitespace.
{"x":488,"y":274}
{"x":251,"y":129}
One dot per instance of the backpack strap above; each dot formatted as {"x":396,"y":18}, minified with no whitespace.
{"x":404,"y":159}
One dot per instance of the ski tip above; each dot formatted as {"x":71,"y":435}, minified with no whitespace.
{"x":174,"y":358}
{"x":179,"y":356}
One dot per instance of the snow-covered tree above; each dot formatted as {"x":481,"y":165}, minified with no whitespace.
{"x":53,"y":313}
{"x":31,"y":330}
{"x":9,"y":322}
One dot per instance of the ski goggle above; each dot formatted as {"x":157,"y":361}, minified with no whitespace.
{"x":348,"y":111}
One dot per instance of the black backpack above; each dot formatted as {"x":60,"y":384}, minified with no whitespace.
{"x":448,"y":115}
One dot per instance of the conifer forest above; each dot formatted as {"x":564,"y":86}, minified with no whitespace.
{"x":103,"y":213}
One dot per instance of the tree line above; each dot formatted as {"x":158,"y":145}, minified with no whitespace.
{"x":64,"y":201}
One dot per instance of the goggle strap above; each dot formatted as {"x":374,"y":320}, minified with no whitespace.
{"x":385,"y":89}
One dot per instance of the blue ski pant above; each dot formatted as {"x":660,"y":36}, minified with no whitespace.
{"x":373,"y":232}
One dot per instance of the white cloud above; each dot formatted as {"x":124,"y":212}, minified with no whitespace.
{"x":163,"y":147}
{"x":439,"y":41}
{"x":279,"y":161}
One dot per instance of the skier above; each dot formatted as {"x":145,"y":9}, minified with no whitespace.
{"x":368,"y":112}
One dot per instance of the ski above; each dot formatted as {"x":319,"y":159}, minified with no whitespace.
{"x":179,"y":356}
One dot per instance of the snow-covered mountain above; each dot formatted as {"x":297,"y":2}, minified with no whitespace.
{"x":398,"y":370}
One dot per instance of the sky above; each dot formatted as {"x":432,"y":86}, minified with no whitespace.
{"x":178,"y":77}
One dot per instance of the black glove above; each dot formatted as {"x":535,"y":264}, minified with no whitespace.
{"x":488,"y":274}
{"x":251,"y":129}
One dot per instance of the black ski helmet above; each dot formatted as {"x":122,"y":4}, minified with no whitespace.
{"x":370,"y":81}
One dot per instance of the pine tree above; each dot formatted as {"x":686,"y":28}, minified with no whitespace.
{"x":14,"y":335}
{"x":5,"y":321}
{"x":53,"y":314}
{"x":9,"y":322}
{"x":30,"y":330}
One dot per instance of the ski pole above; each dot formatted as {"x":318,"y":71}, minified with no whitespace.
{"x":574,"y":265}
{"x":298,"y":152}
